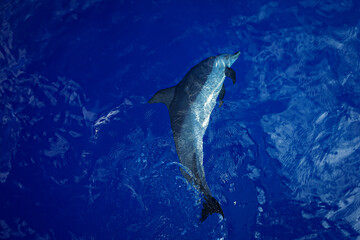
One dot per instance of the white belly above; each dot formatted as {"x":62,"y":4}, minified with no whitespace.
{"x":206,"y":100}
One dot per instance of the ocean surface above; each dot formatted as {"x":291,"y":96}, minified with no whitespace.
{"x":84,"y":156}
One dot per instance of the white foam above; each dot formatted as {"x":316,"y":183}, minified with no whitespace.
{"x":321,"y":118}
{"x":261,"y":196}
{"x":325,"y":224}
{"x":343,"y":151}
{"x":254,"y":172}
{"x":105,"y":119}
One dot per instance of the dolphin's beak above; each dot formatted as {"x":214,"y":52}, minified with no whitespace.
{"x":234,"y":57}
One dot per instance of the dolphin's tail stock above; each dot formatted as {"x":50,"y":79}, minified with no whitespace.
{"x":210,"y":206}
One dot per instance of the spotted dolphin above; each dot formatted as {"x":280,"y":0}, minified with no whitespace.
{"x":190,"y":104}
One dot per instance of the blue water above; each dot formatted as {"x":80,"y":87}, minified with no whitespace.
{"x":83,"y":156}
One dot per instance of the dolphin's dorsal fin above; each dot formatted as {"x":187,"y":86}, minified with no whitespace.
{"x":163,"y":96}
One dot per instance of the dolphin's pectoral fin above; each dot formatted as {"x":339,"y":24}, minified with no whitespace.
{"x":231,"y":74}
{"x":221,"y":95}
{"x":163,"y":96}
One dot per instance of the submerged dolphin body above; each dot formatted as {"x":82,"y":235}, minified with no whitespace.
{"x":190,"y":104}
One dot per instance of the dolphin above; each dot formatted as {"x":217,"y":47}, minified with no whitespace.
{"x":190,"y":104}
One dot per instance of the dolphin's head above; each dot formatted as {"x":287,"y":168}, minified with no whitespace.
{"x":227,"y":59}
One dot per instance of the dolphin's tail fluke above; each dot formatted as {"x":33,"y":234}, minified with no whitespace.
{"x":210,"y":206}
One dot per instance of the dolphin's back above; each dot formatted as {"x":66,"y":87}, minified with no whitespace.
{"x":195,"y":79}
{"x":187,"y":91}
{"x":181,"y":97}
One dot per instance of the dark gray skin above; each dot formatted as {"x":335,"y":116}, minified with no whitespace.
{"x":190,"y":104}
